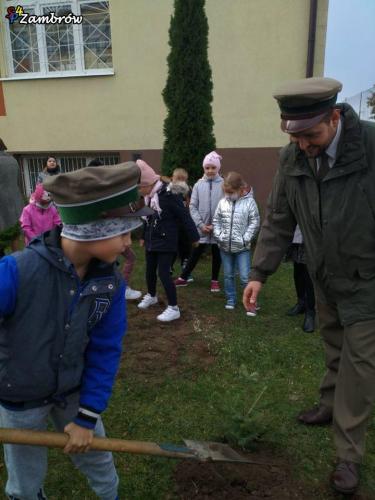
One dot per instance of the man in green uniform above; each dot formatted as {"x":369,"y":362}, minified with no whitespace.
{"x":326,"y":183}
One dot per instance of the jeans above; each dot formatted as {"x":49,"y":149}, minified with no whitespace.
{"x":27,"y":465}
{"x":231,"y":261}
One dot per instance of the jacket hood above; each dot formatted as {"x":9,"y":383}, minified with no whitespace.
{"x":48,"y":246}
{"x":179,"y":187}
{"x":217,"y":178}
{"x":246,"y":196}
{"x":249,"y":194}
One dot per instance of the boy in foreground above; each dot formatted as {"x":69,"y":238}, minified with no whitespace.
{"x":62,"y":322}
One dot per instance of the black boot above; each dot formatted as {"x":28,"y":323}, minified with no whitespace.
{"x":309,"y":322}
{"x":299,"y":308}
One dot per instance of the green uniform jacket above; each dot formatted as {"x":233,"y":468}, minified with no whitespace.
{"x":337,"y":220}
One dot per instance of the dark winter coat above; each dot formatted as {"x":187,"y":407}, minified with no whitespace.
{"x":161,"y":229}
{"x":337,"y":220}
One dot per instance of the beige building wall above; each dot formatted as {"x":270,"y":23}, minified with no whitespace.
{"x":253,"y":45}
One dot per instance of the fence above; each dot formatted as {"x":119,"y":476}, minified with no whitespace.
{"x":360,"y":103}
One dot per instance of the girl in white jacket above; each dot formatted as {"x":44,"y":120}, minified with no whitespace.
{"x":235,"y":223}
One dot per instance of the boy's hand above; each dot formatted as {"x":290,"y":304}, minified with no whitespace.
{"x":141,"y":243}
{"x":195,"y":244}
{"x":206,"y":229}
{"x":250,"y":294}
{"x":80,"y":438}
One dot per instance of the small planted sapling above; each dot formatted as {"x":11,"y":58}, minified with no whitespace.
{"x":246,"y":429}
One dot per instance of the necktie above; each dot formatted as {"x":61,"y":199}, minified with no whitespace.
{"x":320,"y":169}
{"x":323,"y":167}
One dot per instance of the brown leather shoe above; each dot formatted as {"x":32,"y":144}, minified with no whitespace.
{"x":319,"y":415}
{"x":345,"y":478}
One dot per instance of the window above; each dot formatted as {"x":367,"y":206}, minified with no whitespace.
{"x":60,"y":49}
{"x":24,"y":46}
{"x":32,"y":165}
{"x":96,"y":34}
{"x":59,"y":40}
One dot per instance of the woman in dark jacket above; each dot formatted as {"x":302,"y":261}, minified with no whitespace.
{"x":161,"y":238}
{"x":50,"y":167}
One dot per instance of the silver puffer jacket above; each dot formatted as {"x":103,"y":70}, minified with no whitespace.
{"x":236,"y":223}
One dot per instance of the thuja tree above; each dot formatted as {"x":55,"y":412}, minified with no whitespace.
{"x":188,"y":127}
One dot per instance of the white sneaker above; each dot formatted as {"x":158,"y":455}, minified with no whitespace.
{"x":131,"y":294}
{"x":252,"y":310}
{"x":147,"y":301}
{"x":170,"y":314}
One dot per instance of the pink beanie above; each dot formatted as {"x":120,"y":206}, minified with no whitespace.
{"x":40,"y":194}
{"x":148,"y":175}
{"x":212,"y":159}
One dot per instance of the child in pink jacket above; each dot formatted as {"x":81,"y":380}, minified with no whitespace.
{"x":39,"y":216}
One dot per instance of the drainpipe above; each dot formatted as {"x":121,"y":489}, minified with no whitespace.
{"x":311,"y":39}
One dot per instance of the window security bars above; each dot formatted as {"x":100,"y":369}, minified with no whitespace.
{"x":31,"y":166}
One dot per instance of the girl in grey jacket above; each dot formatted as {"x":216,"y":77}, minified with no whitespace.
{"x":235,"y":223}
{"x":205,"y":197}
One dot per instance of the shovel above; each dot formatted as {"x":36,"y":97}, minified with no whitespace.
{"x":203,"y":451}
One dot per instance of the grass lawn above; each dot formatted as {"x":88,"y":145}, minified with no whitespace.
{"x":190,"y":378}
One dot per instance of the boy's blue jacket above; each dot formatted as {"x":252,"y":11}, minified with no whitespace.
{"x":58,"y":333}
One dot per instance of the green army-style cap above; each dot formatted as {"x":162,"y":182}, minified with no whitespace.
{"x":94,"y":193}
{"x":304,"y":103}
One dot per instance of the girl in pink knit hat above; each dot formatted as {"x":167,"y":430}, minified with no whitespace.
{"x":39,"y":216}
{"x":207,"y":192}
{"x":161,"y":237}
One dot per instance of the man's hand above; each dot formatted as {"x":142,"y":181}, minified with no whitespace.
{"x":250,"y":294}
{"x":195,"y":244}
{"x":141,"y":243}
{"x":80,"y":438}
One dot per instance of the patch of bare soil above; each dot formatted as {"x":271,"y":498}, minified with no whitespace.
{"x":154,"y":349}
{"x":273,"y":479}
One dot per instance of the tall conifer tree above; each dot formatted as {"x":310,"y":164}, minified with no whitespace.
{"x":188,"y":127}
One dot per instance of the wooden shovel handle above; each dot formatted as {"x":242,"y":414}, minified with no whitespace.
{"x":59,"y":440}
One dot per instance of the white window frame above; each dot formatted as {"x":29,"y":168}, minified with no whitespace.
{"x":80,"y":70}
